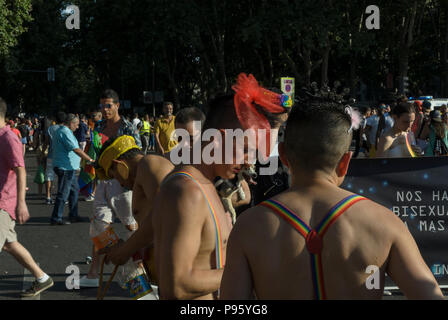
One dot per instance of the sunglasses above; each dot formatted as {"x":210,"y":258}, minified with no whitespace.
{"x":105,"y":106}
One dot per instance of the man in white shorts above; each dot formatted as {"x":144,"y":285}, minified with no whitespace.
{"x":110,"y":197}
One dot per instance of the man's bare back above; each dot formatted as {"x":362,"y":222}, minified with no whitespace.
{"x":367,"y":234}
{"x":151,"y":171}
{"x":185,"y":237}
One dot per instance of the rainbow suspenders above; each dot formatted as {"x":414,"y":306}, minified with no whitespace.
{"x":219,"y":253}
{"x":314,"y":237}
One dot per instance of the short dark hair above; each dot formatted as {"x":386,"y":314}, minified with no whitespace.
{"x":3,"y":108}
{"x":317,"y":135}
{"x":186,"y":115}
{"x":221,"y":114}
{"x":110,"y":94}
{"x":166,"y":103}
{"x":402,"y":108}
{"x":61,"y":117}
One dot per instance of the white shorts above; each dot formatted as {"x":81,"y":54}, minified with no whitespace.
{"x":82,"y":145}
{"x":111,"y":199}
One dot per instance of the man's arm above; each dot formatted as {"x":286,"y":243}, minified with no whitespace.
{"x":237,"y":280}
{"x":22,"y":213}
{"x":83,"y":155}
{"x":156,"y":134}
{"x":381,"y":127}
{"x":236,"y":201}
{"x":143,"y":237}
{"x":183,"y":218}
{"x":407,"y":268}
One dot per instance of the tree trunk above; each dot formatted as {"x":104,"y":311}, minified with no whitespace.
{"x":171,"y":78}
{"x":406,"y":44}
{"x":445,"y":54}
{"x":325,"y":63}
{"x":270,"y":63}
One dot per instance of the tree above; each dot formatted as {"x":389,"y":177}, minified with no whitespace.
{"x":13,"y":15}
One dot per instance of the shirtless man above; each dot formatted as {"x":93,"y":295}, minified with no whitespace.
{"x":191,"y":227}
{"x":272,"y":259}
{"x":145,"y":175}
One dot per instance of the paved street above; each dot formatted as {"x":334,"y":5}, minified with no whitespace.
{"x":54,"y":248}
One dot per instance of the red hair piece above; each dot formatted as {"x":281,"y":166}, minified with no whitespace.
{"x":248,"y":93}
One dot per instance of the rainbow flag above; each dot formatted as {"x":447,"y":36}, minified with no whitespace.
{"x":87,"y":174}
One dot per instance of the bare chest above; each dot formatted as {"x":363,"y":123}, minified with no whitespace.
{"x":216,"y":230}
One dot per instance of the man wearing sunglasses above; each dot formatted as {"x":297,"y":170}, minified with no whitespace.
{"x":110,"y":197}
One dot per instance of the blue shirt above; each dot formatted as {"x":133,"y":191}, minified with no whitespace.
{"x":51,"y":133}
{"x":81,"y":132}
{"x":64,"y":142}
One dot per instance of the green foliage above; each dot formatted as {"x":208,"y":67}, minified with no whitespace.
{"x":198,"y":47}
{"x":13,"y":15}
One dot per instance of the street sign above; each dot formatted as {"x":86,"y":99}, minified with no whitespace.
{"x":147,"y":97}
{"x":50,"y":75}
{"x":158,"y":97}
{"x":125,"y":104}
{"x":288,"y":86}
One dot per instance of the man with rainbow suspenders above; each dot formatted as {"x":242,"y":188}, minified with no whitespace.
{"x":144,"y":175}
{"x":190,"y":224}
{"x":316,"y":240}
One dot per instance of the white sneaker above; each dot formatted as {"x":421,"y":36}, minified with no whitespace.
{"x":85,"y":282}
{"x":90,"y":198}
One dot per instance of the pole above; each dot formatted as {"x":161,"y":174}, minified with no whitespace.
{"x":153,"y":88}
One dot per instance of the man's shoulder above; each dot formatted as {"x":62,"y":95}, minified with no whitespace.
{"x":128,"y":127}
{"x":8,"y":135}
{"x":176,"y":186}
{"x":153,"y":162}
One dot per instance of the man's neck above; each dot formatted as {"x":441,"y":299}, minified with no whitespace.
{"x":113,"y":121}
{"x":2,"y":123}
{"x":133,"y":164}
{"x":207,"y":170}
{"x":306,"y":180}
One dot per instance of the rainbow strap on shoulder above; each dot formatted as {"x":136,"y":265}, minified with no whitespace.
{"x":219,"y":250}
{"x":408,"y":145}
{"x":303,"y":228}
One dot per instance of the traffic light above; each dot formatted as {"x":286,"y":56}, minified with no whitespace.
{"x":405,"y":85}
{"x":50,"y":75}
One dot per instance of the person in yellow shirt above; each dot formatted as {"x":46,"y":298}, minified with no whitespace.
{"x":145,"y":132}
{"x":164,"y":128}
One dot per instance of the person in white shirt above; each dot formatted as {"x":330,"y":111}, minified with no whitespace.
{"x":136,"y":121}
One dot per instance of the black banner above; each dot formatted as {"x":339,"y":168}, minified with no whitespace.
{"x":416,"y":190}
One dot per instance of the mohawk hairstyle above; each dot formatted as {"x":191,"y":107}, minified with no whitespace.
{"x":318,"y":130}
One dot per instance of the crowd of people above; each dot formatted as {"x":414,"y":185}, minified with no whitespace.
{"x":403,"y":129}
{"x":189,"y":244}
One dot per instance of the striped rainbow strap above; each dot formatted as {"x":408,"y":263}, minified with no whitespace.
{"x":408,"y":145}
{"x":289,"y":216}
{"x":336,"y":212}
{"x":314,"y":235}
{"x":219,"y":250}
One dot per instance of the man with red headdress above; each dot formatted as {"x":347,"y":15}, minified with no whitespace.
{"x":190,"y":224}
